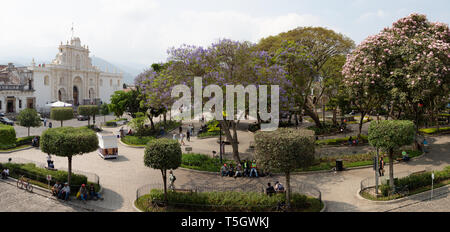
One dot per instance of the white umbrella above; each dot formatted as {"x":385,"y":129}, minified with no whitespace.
{"x":58,"y":104}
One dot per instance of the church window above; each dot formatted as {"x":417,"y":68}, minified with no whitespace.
{"x":20,"y":104}
{"x":110,"y":82}
{"x":46,"y":80}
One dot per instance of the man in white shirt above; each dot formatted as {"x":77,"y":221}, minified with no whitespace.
{"x":65,"y":192}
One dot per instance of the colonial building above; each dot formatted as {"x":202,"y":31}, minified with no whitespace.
{"x":72,"y":78}
{"x":16,"y":89}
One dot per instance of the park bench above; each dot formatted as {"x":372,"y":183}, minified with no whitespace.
{"x":51,"y":169}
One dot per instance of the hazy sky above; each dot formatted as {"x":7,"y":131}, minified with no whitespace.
{"x":138,"y":32}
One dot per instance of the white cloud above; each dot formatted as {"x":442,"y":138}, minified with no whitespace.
{"x":138,"y":31}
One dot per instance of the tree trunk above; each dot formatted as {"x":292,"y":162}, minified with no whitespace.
{"x":61,"y":123}
{"x":314,"y":117}
{"x":288,"y":189}
{"x":233,"y":141}
{"x":150,"y":116}
{"x":93,"y":119}
{"x":165,"y":118}
{"x":296,"y":119}
{"x":290,"y":119}
{"x":164,"y":177}
{"x":391,"y":169}
{"x":89,"y":122}
{"x":69,"y":173}
{"x":361,"y":122}
{"x":28,"y":132}
{"x":334,"y":116}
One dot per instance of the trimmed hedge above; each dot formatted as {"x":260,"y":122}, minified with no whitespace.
{"x":202,"y":162}
{"x":32,"y":172}
{"x":7,"y":136}
{"x":417,"y":181}
{"x":136,"y":140}
{"x":229,"y":201}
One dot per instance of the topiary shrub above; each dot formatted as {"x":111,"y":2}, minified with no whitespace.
{"x":88,"y":110}
{"x":286,"y":150}
{"x":61,"y":114}
{"x":7,"y":136}
{"x":163,"y":154}
{"x":68,"y":142}
{"x":389,"y":136}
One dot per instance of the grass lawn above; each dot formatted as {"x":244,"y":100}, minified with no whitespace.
{"x":136,"y":141}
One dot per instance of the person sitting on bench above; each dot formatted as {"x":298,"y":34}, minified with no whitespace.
{"x":270,"y":190}
{"x":405,"y":156}
{"x":5,"y":174}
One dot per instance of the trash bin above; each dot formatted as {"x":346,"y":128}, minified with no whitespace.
{"x":339,"y":165}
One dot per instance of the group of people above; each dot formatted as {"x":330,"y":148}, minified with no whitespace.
{"x":189,"y":133}
{"x":353,"y":142}
{"x":243,"y":169}
{"x":278,"y":188}
{"x":50,"y":125}
{"x":5,"y":173}
{"x":50,"y":162}
{"x":63,"y":192}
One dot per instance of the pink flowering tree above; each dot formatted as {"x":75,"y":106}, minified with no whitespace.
{"x":406,"y":63}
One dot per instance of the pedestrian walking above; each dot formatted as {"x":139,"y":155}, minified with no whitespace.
{"x":172,"y":179}
{"x":50,"y":125}
{"x":381,"y":168}
{"x":188,"y":135}
{"x":174,"y":137}
{"x":182,"y":139}
{"x":45,"y":122}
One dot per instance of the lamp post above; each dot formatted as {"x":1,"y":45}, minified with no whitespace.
{"x":220,"y":143}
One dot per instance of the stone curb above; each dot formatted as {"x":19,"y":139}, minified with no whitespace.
{"x":324,"y":207}
{"x":419,"y":195}
{"x":21,"y":149}
{"x":136,"y":208}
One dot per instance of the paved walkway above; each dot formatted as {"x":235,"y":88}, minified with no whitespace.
{"x":120,"y":178}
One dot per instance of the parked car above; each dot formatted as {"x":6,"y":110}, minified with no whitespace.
{"x":83,"y":118}
{"x":2,"y":115}
{"x":6,"y":121}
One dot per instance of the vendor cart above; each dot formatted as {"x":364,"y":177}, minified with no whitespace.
{"x":107,"y":145}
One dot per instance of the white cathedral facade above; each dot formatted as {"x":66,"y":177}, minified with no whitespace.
{"x":72,"y":78}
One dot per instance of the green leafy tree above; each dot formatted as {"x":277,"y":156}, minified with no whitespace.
{"x":104,"y":110}
{"x":118,"y":103}
{"x":389,"y":136}
{"x":285,"y":150}
{"x":61,"y":114}
{"x":163,"y":154}
{"x":320,"y":45}
{"x":68,"y":142}
{"x":29,"y":118}
{"x":88,"y":110}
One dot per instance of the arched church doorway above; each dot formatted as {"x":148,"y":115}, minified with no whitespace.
{"x":75,"y":96}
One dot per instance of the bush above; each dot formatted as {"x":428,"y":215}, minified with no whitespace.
{"x":136,"y":140}
{"x":416,"y":181}
{"x":32,"y":172}
{"x":25,"y":140}
{"x":327,"y":128}
{"x":254,"y":127}
{"x":7,"y":136}
{"x":209,"y":134}
{"x":61,"y":114}
{"x":231,"y":201}
{"x":202,"y":162}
